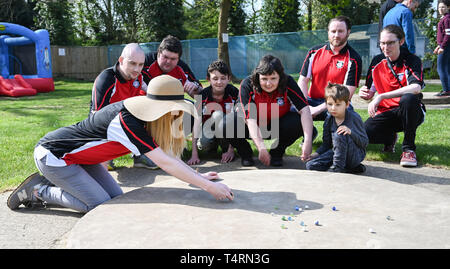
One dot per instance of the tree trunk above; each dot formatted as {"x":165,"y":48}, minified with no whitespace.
{"x":222,"y":47}
{"x":310,"y":15}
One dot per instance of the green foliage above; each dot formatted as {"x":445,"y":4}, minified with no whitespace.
{"x":428,"y":27}
{"x":280,"y":16}
{"x":237,"y":17}
{"x":359,"y":11}
{"x":57,"y":18}
{"x":202,"y":19}
{"x":100,"y":22}
{"x":18,"y":12}
{"x":423,"y":9}
{"x":160,"y":18}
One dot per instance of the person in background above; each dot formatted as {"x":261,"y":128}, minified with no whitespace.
{"x":402,"y":15}
{"x":443,"y":48}
{"x":397,"y":76}
{"x":385,"y":7}
{"x":167,"y":60}
{"x":335,"y":62}
{"x":119,"y":82}
{"x":217,"y":100}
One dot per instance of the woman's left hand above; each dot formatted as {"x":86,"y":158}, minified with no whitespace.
{"x":210,"y":175}
{"x":227,"y":156}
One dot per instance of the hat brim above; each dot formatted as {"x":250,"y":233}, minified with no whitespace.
{"x":147,"y":109}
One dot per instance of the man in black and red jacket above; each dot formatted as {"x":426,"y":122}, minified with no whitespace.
{"x":119,"y":82}
{"x":397,"y":76}
{"x":335,"y":61}
{"x":167,"y":61}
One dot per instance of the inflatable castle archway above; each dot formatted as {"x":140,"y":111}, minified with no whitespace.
{"x":25,"y":61}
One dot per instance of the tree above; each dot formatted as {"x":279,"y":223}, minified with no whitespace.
{"x":160,"y":18}
{"x":280,"y":16}
{"x":222,"y":49}
{"x":428,"y":26}
{"x":18,"y":12}
{"x":202,"y":18}
{"x":237,"y":18}
{"x":254,"y":19}
{"x":98,"y":22}
{"x":56,"y":17}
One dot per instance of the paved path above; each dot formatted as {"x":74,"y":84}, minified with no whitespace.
{"x":423,"y":191}
{"x":51,"y":228}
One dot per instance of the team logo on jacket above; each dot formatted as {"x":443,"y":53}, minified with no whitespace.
{"x":280,"y":101}
{"x":340,"y":64}
{"x":136,"y":83}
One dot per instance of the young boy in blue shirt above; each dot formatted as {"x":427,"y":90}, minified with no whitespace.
{"x":344,"y":136}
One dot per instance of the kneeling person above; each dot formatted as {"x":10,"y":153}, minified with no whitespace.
{"x":217,"y":100}
{"x":71,"y":157}
{"x":344,"y":136}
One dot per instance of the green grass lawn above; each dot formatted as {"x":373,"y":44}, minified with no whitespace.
{"x":25,"y":120}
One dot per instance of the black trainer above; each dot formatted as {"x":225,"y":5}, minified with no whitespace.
{"x":336,"y":169}
{"x":24,"y":193}
{"x":143,"y":161}
{"x":443,"y":93}
{"x":247,"y":161}
{"x":277,"y":162}
{"x":357,"y":170}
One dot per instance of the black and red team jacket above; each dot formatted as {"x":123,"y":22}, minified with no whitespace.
{"x":322,"y":66}
{"x":209,"y":105}
{"x":250,"y":99}
{"x":105,"y":135}
{"x":380,"y":78}
{"x":181,"y":72}
{"x":110,"y":87}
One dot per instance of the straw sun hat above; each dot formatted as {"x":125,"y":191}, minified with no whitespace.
{"x":164,"y":94}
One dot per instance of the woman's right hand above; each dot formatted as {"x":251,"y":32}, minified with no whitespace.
{"x":264,"y":156}
{"x":365,"y":93}
{"x":220,"y":191}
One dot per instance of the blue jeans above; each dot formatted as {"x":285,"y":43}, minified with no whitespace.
{"x":443,"y":68}
{"x":318,"y":101}
{"x":79,"y":187}
{"x":345,"y":154}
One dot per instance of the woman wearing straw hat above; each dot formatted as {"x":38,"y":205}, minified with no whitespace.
{"x":70,"y":158}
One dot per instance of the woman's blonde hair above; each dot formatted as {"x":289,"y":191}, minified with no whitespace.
{"x":168,"y":133}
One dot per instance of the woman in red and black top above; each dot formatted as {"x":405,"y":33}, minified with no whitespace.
{"x":70,"y":157}
{"x":397,"y":76}
{"x":265,"y":100}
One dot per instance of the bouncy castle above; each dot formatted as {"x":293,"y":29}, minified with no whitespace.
{"x":25,"y":61}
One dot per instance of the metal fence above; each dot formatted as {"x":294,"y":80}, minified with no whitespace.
{"x":246,"y":51}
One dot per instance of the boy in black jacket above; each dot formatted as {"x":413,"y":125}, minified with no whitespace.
{"x":344,"y":136}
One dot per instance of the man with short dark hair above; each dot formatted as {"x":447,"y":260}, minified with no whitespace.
{"x":167,"y":61}
{"x":334,"y":62}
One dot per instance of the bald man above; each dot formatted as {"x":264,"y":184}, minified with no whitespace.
{"x":119,"y":82}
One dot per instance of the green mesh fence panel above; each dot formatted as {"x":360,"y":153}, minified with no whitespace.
{"x":245,"y":51}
